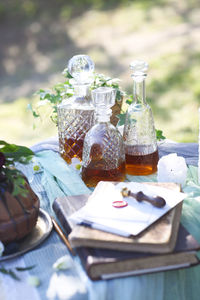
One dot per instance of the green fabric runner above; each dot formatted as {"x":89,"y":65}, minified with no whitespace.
{"x":181,"y":284}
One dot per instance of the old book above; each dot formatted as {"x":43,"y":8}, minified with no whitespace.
{"x":107,"y":264}
{"x":158,"y":238}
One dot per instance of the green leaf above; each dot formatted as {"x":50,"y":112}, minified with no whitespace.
{"x":66,"y":73}
{"x":129,"y":101}
{"x":20,"y":269}
{"x":10,"y":273}
{"x":18,"y":187}
{"x":15,"y":152}
{"x":159,"y":135}
{"x":3,"y":143}
{"x":121,"y":118}
{"x":34,"y":113}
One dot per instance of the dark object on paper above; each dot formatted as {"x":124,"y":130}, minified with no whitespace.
{"x":156,"y":201}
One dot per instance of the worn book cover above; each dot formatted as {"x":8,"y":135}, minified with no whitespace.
{"x":160,"y":237}
{"x":107,"y":264}
{"x":114,"y":259}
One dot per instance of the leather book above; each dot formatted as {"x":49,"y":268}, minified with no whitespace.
{"x":149,"y":253}
{"x":160,"y":237}
{"x":109,"y":264}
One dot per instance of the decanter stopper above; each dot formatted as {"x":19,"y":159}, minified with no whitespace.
{"x":103,"y":99}
{"x":81,"y":68}
{"x":139,"y":67}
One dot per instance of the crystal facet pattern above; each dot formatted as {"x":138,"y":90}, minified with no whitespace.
{"x":103,"y":147}
{"x":103,"y":155}
{"x":73,"y":124}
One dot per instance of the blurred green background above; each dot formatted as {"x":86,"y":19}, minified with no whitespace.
{"x":37,"y":38}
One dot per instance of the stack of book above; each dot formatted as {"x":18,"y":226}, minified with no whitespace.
{"x":165,"y":245}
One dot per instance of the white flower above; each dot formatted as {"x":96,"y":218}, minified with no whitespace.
{"x":64,"y":286}
{"x":33,"y":280}
{"x":76,"y":164}
{"x":70,"y":91}
{"x":52,"y":289}
{"x":43,"y":102}
{"x":1,"y":248}
{"x":63,"y":263}
{"x":172,"y":168}
{"x":112,"y":81}
{"x":37,"y":168}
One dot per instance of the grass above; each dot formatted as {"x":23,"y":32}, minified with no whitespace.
{"x":17,"y":124}
{"x":113,"y":33}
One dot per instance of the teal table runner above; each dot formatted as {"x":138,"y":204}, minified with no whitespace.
{"x":56,"y":179}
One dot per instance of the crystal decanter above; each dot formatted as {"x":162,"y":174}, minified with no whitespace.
{"x":103,"y":151}
{"x":76,"y":114}
{"x":139,"y":131}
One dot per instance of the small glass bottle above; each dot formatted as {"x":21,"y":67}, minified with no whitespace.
{"x":76,"y":114}
{"x":103,"y":151}
{"x":139,"y":131}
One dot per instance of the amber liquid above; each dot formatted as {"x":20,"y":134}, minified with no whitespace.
{"x":92,"y":176}
{"x":142,"y":164}
{"x":72,"y":148}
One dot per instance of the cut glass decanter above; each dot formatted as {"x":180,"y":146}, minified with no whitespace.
{"x":76,"y":114}
{"x":103,"y":151}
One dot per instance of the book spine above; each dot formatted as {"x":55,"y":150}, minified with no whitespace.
{"x":61,"y":215}
{"x":88,"y":262}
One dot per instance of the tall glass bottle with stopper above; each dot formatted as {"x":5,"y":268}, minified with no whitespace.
{"x":103,"y":151}
{"x":76,"y":114}
{"x":139,"y":131}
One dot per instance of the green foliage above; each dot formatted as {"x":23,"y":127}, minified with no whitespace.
{"x":15,"y":153}
{"x":159,"y":135}
{"x":65,"y":90}
{"x":12,"y":273}
{"x":129,"y":100}
{"x":20,"y":269}
{"x":121,"y":118}
{"x":100,"y":80}
{"x":9,"y":175}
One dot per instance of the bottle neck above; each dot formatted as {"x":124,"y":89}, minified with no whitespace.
{"x":103,"y":114}
{"x":81,"y":90}
{"x":139,"y":89}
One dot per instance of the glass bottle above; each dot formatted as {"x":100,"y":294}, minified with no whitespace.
{"x":103,"y":151}
{"x":76,"y":114}
{"x":139,"y":131}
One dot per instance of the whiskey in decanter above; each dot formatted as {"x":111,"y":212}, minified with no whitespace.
{"x":76,"y":114}
{"x":139,"y":131}
{"x":103,"y":151}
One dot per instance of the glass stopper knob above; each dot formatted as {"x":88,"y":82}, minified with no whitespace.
{"x":81,"y":68}
{"x":139,"y":66}
{"x":140,"y":69}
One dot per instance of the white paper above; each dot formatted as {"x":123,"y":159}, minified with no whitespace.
{"x":130,"y":220}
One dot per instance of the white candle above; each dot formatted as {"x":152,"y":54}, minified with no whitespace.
{"x":172,"y":168}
